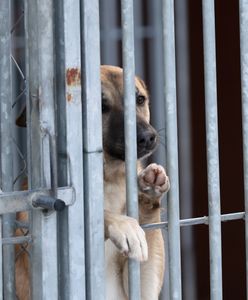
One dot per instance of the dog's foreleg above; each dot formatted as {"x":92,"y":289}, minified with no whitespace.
{"x":153,"y":182}
{"x":126,"y":234}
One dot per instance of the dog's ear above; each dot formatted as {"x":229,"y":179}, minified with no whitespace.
{"x":21,"y":119}
{"x":142,"y":83}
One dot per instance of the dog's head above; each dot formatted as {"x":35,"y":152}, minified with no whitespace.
{"x":113,"y":115}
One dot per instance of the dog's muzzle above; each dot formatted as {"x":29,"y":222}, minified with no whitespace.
{"x":147,"y":140}
{"x":114,"y":141}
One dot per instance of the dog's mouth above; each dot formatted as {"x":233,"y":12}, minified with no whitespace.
{"x":142,"y":153}
{"x":147,"y":142}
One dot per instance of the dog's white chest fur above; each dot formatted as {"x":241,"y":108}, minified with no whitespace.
{"x":114,"y":194}
{"x":115,"y":197}
{"x":126,"y":237}
{"x":114,"y":281}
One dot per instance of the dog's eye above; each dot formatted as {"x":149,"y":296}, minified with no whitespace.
{"x":140,"y":100}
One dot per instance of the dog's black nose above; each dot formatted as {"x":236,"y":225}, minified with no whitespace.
{"x":146,"y":140}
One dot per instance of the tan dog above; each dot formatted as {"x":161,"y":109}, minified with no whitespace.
{"x":123,"y":235}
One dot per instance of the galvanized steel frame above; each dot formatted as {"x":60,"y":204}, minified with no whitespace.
{"x":41,"y":134}
{"x":212,"y":149}
{"x":170,"y":98}
{"x":79,"y":270}
{"x":75,"y":242}
{"x":92,"y":150}
{"x":6,"y":155}
{"x":243,"y":16}
{"x":130,"y":134}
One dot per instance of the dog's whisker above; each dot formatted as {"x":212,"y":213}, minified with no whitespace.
{"x":162,"y":143}
{"x":161,"y":139}
{"x":161,"y":129}
{"x":161,"y":136}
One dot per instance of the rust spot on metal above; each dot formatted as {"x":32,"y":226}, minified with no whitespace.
{"x":69,"y":97}
{"x":73,"y":76}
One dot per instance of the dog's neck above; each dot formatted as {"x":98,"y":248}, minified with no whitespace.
{"x":115,"y":169}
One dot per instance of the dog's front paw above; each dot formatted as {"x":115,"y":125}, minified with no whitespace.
{"x":127,"y":236}
{"x":153,"y":180}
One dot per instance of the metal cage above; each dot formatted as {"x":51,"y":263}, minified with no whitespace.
{"x":50,"y":55}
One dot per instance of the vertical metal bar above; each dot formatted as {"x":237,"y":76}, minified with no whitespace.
{"x":130,"y":133}
{"x":75,"y":279}
{"x":32,"y":104}
{"x":172,"y":149}
{"x":6,"y":143}
{"x":138,"y":38}
{"x":243,"y":16}
{"x":32,"y":137}
{"x":109,"y":50}
{"x":44,"y":227}
{"x":156,"y":77}
{"x":62,"y":221}
{"x":1,"y":259}
{"x":93,"y":156}
{"x":212,"y":149}
{"x":41,"y":129}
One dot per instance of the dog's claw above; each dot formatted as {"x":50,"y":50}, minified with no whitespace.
{"x":153,"y":180}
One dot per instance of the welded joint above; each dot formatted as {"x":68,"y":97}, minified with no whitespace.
{"x":46,"y":130}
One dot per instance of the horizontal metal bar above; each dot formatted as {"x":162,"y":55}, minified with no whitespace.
{"x":21,"y":201}
{"x":196,"y":221}
{"x":22,"y":224}
{"x":17,"y":240}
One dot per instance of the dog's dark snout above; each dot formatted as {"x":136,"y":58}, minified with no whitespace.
{"x":146,"y":139}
